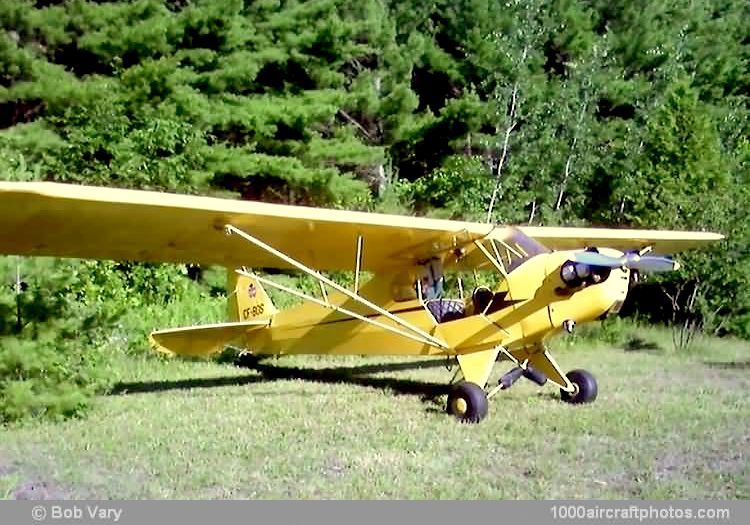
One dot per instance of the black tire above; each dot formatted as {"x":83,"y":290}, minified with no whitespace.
{"x":586,"y":387}
{"x":247,"y":360}
{"x":467,"y":402}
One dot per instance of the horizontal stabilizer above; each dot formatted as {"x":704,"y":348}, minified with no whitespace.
{"x":202,"y":340}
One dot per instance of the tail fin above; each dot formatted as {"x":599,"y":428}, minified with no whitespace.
{"x":247,"y":300}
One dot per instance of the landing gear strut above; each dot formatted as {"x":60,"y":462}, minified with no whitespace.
{"x":468,"y":402}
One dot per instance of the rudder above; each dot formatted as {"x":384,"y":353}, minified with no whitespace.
{"x":247,"y":300}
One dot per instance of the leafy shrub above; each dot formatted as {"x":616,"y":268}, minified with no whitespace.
{"x":46,"y":379}
{"x":78,"y":318}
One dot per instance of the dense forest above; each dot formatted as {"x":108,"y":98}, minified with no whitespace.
{"x":609,"y":113}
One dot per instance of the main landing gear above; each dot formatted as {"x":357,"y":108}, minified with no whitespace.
{"x":467,"y":401}
{"x":585,"y":387}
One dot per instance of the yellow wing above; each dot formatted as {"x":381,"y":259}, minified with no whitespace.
{"x":662,"y":241}
{"x":42,"y":218}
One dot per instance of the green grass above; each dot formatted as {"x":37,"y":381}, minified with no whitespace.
{"x":664,"y":426}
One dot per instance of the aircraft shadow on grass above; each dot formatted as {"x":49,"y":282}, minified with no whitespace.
{"x":429,"y":392}
{"x":730,"y":365}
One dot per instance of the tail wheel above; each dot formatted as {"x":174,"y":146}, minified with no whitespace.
{"x":467,"y":402}
{"x":585,"y":387}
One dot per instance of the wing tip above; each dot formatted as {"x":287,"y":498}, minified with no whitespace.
{"x":558,"y":237}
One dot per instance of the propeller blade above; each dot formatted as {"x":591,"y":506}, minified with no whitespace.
{"x":597,"y":259}
{"x":646,"y":263}
{"x":651,"y":263}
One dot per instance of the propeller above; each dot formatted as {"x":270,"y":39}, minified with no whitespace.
{"x":634,"y":261}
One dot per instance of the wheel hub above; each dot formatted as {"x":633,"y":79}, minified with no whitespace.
{"x":459,"y":406}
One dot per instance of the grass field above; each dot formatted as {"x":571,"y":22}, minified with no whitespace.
{"x":664,"y":426}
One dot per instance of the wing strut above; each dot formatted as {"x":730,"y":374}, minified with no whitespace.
{"x":432,"y":340}
{"x":326,"y":304}
{"x":358,"y":264}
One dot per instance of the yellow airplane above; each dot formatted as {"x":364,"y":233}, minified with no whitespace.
{"x":550,"y":278}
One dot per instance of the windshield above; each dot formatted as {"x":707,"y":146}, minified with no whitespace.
{"x":509,"y":247}
{"x":519,"y":248}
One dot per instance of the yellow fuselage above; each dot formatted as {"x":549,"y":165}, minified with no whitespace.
{"x":535,"y":304}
